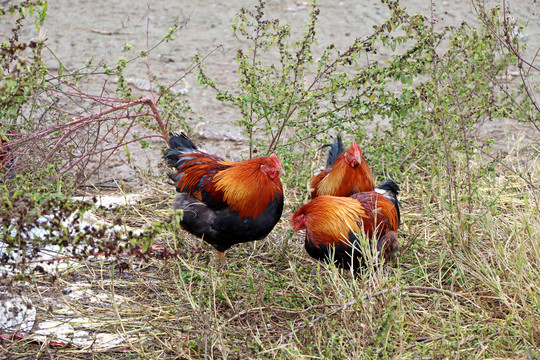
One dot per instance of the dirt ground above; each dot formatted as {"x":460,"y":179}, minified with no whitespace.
{"x":78,"y":30}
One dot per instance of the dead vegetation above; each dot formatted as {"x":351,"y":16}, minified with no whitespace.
{"x":443,"y":297}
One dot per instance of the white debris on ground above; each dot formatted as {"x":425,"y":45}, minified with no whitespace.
{"x":63,"y":333}
{"x":18,"y":316}
{"x":49,"y":253}
{"x":82,"y":293}
{"x":17,"y":313}
{"x":80,"y":332}
{"x":112,"y":201}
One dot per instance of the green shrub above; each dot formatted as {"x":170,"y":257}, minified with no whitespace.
{"x":413,"y":113}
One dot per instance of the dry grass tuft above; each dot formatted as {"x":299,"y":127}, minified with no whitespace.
{"x":469,"y":289}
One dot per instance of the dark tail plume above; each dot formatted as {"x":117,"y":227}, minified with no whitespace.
{"x":178,"y":144}
{"x":390,"y":185}
{"x":336,"y":149}
{"x":181,"y":142}
{"x":392,"y":189}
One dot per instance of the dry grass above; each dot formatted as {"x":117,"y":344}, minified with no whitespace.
{"x":457,"y":290}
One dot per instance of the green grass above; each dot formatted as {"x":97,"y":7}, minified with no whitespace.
{"x":455,"y":291}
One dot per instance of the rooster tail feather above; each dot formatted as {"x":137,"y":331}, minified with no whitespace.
{"x":178,"y":144}
{"x":181,"y":142}
{"x":336,"y":149}
{"x":391,"y":191}
{"x":390,"y":185}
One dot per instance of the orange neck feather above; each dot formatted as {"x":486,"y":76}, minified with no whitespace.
{"x":344,"y":180}
{"x":340,"y":214}
{"x":246,"y":189}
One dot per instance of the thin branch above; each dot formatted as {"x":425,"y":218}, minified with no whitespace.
{"x":460,"y":298}
{"x":89,"y":118}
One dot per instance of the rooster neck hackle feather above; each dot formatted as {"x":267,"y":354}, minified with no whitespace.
{"x":341,"y":215}
{"x":246,"y":189}
{"x":342,"y":180}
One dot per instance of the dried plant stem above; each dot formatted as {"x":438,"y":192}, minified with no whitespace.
{"x":94,"y":117}
{"x":453,"y":295}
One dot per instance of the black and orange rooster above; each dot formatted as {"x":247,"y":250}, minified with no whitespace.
{"x":223,"y":202}
{"x":346,"y":172}
{"x":332,"y":222}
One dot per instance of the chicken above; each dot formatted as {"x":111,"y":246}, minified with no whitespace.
{"x":223,"y":202}
{"x":346,"y":173}
{"x":332,"y":222}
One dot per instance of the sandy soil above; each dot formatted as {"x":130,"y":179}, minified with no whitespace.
{"x":79,"y":30}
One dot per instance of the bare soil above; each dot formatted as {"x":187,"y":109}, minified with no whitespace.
{"x":82,"y":30}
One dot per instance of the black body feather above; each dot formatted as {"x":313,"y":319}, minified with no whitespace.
{"x":223,"y":228}
{"x":343,"y":256}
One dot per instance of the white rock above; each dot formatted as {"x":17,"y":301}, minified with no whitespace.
{"x":17,"y":313}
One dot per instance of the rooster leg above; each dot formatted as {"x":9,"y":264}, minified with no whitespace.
{"x":222,"y":260}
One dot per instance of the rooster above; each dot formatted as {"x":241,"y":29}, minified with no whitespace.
{"x":346,"y":173}
{"x":332,"y":224}
{"x":223,"y":202}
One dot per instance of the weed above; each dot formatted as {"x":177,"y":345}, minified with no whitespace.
{"x":466,"y":282}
